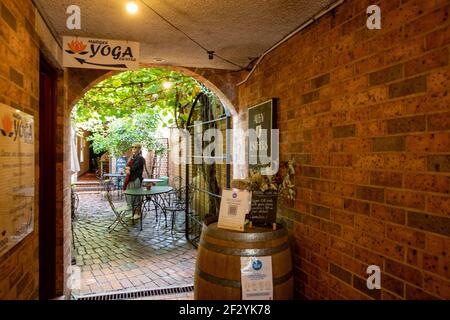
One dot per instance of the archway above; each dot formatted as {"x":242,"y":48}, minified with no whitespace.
{"x":104,"y":76}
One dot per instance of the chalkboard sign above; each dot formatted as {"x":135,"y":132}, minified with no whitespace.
{"x":261,"y":122}
{"x":264,"y":207}
{"x":121,"y":163}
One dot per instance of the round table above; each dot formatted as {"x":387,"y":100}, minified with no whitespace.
{"x":152,"y":180}
{"x":153,"y":192}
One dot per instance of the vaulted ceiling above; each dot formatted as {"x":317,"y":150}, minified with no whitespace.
{"x":237,"y":30}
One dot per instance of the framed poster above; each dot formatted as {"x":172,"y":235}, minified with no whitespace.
{"x":261,"y":123}
{"x":17,"y":180}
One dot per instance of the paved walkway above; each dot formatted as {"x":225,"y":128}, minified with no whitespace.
{"x":128,"y":260}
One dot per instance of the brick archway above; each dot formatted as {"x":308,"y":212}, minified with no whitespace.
{"x":73,"y":85}
{"x":222,"y":83}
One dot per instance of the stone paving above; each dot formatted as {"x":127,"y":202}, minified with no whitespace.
{"x":128,"y":260}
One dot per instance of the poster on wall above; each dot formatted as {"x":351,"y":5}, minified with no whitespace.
{"x":91,"y":53}
{"x":17,"y":179}
{"x":262,"y":155}
{"x":256,"y":277}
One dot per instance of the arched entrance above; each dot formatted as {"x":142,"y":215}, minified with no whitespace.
{"x":108,"y":74}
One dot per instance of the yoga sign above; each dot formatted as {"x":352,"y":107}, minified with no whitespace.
{"x":93,"y":53}
{"x":17,"y":176}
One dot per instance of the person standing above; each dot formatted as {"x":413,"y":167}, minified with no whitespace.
{"x":133,"y":180}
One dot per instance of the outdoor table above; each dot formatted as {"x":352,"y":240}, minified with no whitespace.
{"x":152,"y":180}
{"x":149,"y":194}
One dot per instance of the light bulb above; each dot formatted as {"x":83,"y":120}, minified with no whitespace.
{"x":132,"y":7}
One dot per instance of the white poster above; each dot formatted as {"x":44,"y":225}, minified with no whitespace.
{"x":234,"y":205}
{"x":93,"y":53}
{"x":256,"y":278}
{"x":16,"y":176}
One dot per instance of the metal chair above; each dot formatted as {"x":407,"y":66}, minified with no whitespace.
{"x":120,"y":213}
{"x":176,"y":201}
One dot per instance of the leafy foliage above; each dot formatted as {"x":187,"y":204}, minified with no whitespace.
{"x":130,"y":107}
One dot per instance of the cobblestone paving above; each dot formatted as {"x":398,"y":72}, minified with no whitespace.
{"x":128,"y":260}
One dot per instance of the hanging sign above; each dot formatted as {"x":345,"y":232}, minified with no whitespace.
{"x":93,"y":53}
{"x":256,"y":278}
{"x":234,"y":205}
{"x":16,"y":176}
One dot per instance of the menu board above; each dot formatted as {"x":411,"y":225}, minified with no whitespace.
{"x":17,"y":180}
{"x":264,"y":208}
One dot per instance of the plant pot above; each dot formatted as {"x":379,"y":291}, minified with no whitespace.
{"x":264,"y":208}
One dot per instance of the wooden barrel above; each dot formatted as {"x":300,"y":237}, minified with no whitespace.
{"x":218,"y":264}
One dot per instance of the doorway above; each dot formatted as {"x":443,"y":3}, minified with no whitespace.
{"x":47,"y":180}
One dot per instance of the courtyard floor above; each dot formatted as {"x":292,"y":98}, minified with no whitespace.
{"x":122,"y":260}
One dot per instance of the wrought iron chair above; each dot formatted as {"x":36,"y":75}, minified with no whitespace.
{"x":120,"y":213}
{"x":176,"y":201}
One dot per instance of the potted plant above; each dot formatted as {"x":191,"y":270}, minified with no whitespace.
{"x":268,"y":191}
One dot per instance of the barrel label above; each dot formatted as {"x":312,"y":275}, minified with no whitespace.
{"x":256,"y":277}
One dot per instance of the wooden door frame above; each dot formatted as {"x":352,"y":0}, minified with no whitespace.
{"x":47,"y":180}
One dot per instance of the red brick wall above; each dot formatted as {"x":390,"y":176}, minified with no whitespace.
{"x":19,"y":88}
{"x":366,"y":115}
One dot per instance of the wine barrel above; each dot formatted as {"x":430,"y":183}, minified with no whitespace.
{"x":218,"y":264}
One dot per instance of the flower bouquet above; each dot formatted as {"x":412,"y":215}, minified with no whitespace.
{"x":267,"y":191}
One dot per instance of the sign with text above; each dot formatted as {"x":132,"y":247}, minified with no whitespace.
{"x":264,"y":207}
{"x":93,"y":53}
{"x":17,"y":180}
{"x":234,"y":205}
{"x":121,"y":163}
{"x":256,"y":277}
{"x":261,"y":121}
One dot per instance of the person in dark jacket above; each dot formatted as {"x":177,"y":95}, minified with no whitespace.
{"x":134,"y":170}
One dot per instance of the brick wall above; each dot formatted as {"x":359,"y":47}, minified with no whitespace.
{"x":366,"y":115}
{"x":19,"y":88}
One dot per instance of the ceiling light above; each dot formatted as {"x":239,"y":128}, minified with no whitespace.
{"x":167,"y":85}
{"x":132,"y":7}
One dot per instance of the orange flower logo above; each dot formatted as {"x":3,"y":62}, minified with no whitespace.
{"x":7,"y":126}
{"x":76,"y":46}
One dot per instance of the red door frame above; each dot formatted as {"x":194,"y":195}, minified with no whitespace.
{"x":47,"y":180}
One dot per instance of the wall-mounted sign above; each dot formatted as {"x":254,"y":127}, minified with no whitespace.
{"x":256,"y":277}
{"x":261,"y":122}
{"x":16,"y":176}
{"x":93,"y":53}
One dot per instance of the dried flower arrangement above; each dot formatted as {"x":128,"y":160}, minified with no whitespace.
{"x":282,"y":182}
